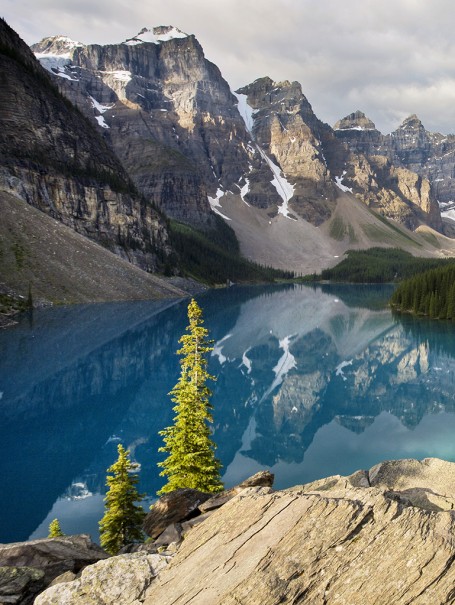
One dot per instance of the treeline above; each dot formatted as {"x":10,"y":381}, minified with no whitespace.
{"x":378,"y":265}
{"x":214,"y":257}
{"x":431,"y":293}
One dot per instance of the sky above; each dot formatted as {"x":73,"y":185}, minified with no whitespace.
{"x":387,"y":58}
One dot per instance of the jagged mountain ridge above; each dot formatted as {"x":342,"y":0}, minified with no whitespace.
{"x":160,"y":88}
{"x":429,"y":154}
{"x":192,"y":146}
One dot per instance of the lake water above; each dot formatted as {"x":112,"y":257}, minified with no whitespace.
{"x":311,"y":382}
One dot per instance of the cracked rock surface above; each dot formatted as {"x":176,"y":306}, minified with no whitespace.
{"x":328,"y":543}
{"x":378,"y":537}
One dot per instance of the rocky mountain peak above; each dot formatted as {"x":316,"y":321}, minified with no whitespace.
{"x":156,"y":35}
{"x":283,"y":96}
{"x":410,"y":122}
{"x":57,"y":45}
{"x":355,"y":121}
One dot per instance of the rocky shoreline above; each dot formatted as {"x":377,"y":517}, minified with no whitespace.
{"x":380,"y":536}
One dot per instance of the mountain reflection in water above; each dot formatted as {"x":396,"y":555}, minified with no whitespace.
{"x":310,"y":382}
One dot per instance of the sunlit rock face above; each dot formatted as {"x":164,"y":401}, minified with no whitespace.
{"x":431,"y":155}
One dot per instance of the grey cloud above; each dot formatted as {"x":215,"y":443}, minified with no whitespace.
{"x":389,"y":58}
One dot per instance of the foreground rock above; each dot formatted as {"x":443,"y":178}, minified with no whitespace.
{"x":123,"y":579}
{"x":171,"y":508}
{"x":20,"y":584}
{"x":372,"y":538}
{"x":328,"y":543}
{"x":28,"y":567}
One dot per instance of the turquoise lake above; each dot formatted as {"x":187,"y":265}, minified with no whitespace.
{"x":310,"y":382}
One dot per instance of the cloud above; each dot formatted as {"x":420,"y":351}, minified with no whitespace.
{"x":389,"y":58}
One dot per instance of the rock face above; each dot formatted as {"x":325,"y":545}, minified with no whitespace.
{"x":55,"y":160}
{"x":335,"y":541}
{"x":430,"y":155}
{"x":176,"y":127}
{"x":167,"y":111}
{"x":379,"y":536}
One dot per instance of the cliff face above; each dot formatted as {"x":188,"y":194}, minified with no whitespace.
{"x":178,"y":131}
{"x":318,"y":166}
{"x":53,"y":158}
{"x":427,"y":154}
{"x":167,"y":111}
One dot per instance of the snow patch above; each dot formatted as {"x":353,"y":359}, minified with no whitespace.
{"x":215,"y":203}
{"x":61,"y":73}
{"x":152,"y":36}
{"x":100,"y":108}
{"x":122,"y":76}
{"x":286,"y":363}
{"x":246,"y":361}
{"x":245,"y":110}
{"x":244,"y":190}
{"x":78,"y":491}
{"x":53,"y":62}
{"x":283,"y":187}
{"x":355,"y":128}
{"x":450,"y":214}
{"x":101,"y":122}
{"x":218,"y":349}
{"x":339,"y":183}
{"x":339,"y":368}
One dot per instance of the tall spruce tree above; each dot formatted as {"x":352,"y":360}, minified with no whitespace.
{"x":122,"y":521}
{"x":191,"y":460}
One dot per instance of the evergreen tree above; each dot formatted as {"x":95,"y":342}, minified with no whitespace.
{"x":122,"y":519}
{"x":432,"y":293}
{"x":191,"y":460}
{"x":54,"y":529}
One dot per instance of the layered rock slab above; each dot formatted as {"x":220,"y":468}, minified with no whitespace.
{"x":336,"y":544}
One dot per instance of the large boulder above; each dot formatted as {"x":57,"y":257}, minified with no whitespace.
{"x":123,"y":579}
{"x":53,"y":556}
{"x":184,"y":505}
{"x":261,"y":479}
{"x":26,"y":568}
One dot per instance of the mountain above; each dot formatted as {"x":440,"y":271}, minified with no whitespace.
{"x":296,"y":196}
{"x":108,"y":138}
{"x":53,"y":158}
{"x":431,"y":155}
